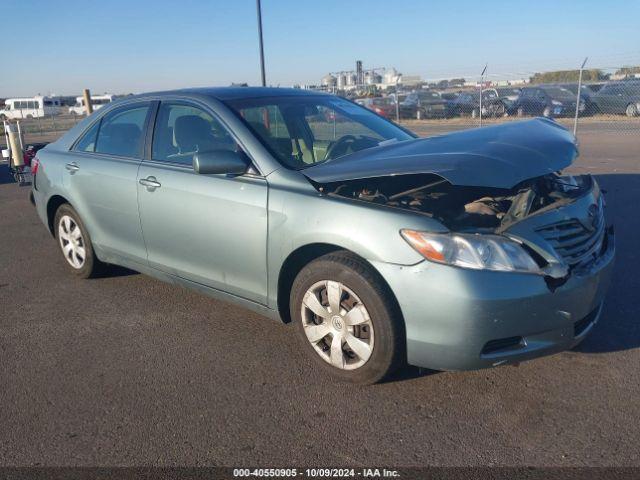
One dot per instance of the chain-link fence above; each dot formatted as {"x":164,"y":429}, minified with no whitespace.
{"x":608,"y":103}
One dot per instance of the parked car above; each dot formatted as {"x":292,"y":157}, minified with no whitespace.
{"x":383,"y":106}
{"x":621,"y":97}
{"x":548,"y":101}
{"x":455,"y":252}
{"x":508,"y":96}
{"x":423,"y":104}
{"x":468,"y":103}
{"x":586,"y":95}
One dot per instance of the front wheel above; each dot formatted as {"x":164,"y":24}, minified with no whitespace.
{"x":347,"y":319}
{"x":75,"y":243}
{"x":546,"y":112}
{"x":632,"y":110}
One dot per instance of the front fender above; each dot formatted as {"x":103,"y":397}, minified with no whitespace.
{"x":303,"y":216}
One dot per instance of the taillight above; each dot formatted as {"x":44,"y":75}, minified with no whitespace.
{"x":35,"y":164}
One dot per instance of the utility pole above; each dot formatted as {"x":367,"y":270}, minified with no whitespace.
{"x":575,"y":120}
{"x":264,"y":80}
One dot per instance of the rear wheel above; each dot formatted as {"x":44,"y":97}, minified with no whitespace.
{"x":346,"y":319}
{"x":632,"y":110}
{"x":520,"y":112}
{"x":546,"y":112}
{"x":75,"y":243}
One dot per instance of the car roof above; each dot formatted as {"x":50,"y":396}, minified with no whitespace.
{"x":234,"y":93}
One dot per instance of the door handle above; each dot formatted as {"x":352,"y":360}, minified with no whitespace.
{"x":72,"y":167}
{"x":150,"y":182}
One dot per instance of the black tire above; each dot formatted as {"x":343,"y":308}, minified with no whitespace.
{"x":520,"y":112}
{"x":91,"y":266}
{"x":631,"y":110}
{"x":546,"y":112}
{"x":388,"y":351}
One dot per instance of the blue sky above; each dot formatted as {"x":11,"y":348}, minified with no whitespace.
{"x":140,"y":45}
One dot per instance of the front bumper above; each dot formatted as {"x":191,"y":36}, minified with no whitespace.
{"x":459,"y":319}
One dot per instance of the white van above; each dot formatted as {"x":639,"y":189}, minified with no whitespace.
{"x":39,"y":106}
{"x":97,"y":101}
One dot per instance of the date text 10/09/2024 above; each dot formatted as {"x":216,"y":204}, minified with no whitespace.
{"x":316,"y":472}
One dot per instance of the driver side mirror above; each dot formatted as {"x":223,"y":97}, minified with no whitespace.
{"x":219,"y":162}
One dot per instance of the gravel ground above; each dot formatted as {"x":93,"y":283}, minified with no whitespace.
{"x":126,"y":370}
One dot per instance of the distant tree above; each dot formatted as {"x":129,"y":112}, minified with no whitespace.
{"x":561,"y":76}
{"x":628,"y":70}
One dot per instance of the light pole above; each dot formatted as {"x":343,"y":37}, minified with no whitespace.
{"x":575,"y":121}
{"x":481,"y":85}
{"x":397,"y":100}
{"x":264,"y":80}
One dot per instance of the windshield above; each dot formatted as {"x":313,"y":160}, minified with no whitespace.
{"x":301,"y":131}
{"x":559,"y":92}
{"x":382,"y":101}
{"x":508,"y":92}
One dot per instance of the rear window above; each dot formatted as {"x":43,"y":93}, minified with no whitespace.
{"x":122,"y":131}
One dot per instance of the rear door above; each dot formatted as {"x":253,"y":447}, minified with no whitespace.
{"x":101,"y":178}
{"x":209,"y":229}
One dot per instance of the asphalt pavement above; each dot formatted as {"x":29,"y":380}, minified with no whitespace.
{"x":127,"y":370}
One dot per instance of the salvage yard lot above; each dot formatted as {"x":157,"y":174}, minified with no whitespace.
{"x":126,"y":370}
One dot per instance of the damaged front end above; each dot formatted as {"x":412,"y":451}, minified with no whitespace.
{"x":496,"y":189}
{"x":556,"y":243}
{"x":465,"y":208}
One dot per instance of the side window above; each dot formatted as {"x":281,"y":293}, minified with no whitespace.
{"x":122,"y":132}
{"x":183,"y":130}
{"x":88,"y":141}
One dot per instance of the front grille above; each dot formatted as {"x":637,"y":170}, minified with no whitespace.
{"x":574,"y":242}
{"x":581,"y":325}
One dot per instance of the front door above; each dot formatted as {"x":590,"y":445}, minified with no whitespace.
{"x":209,"y":229}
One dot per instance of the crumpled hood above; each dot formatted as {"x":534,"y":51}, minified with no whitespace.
{"x":499,"y":156}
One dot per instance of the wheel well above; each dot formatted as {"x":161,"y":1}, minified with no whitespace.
{"x":290,"y":269}
{"x":52,"y":207}
{"x":301,"y":257}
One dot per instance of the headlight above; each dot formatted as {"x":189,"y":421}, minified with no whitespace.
{"x":478,"y":252}
{"x":556,"y":102}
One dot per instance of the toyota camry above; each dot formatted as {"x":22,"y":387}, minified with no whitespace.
{"x":453,"y":252}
